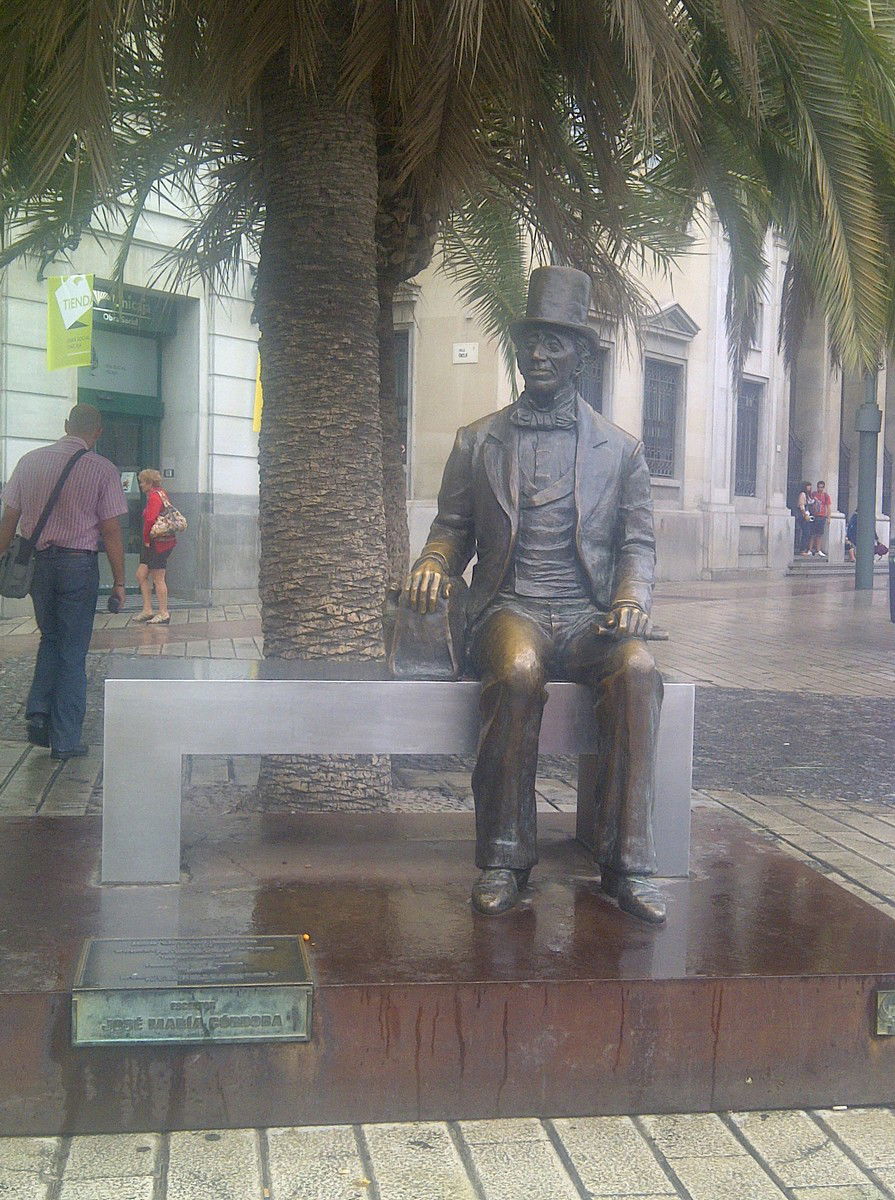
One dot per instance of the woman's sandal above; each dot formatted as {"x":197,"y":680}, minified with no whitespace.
{"x":158,"y":619}
{"x":142,"y":618}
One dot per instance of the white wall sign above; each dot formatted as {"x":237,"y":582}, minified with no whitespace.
{"x":466,"y":352}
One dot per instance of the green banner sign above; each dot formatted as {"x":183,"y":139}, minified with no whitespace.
{"x":69,"y":321}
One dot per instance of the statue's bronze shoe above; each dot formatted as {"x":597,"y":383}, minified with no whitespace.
{"x":635,"y":895}
{"x":496,"y":890}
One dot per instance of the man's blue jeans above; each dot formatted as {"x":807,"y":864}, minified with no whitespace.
{"x":64,"y":591}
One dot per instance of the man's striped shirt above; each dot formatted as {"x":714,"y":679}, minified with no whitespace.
{"x":92,"y":493}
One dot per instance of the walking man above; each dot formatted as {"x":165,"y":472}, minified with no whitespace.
{"x":66,"y":573}
{"x":555,"y":502}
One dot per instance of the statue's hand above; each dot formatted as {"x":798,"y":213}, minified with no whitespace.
{"x":425,"y":583}
{"x":627,"y":620}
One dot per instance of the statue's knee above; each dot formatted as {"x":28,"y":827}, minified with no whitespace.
{"x":522,"y":672}
{"x":639,"y":665}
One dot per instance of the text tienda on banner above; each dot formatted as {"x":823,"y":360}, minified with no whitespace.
{"x":69,"y":321}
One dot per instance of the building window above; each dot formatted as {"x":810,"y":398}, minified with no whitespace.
{"x":746,"y":462}
{"x":590,"y":381}
{"x":662,"y":389}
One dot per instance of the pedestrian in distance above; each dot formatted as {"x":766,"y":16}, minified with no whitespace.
{"x":851,"y":537}
{"x":821,"y":505}
{"x":880,"y":549}
{"x":65,"y":585}
{"x":155,"y":552}
{"x":804,"y":520}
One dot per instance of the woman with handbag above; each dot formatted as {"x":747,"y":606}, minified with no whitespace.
{"x":156,"y":550}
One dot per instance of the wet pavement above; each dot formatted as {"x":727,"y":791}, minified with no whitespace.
{"x":794,"y":734}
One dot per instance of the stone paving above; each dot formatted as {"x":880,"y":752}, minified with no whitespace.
{"x":829,"y":1154}
{"x":759,"y":652}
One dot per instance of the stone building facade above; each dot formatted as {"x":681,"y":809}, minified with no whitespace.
{"x":174,"y":374}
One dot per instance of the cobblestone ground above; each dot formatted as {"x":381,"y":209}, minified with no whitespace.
{"x":794,"y":733}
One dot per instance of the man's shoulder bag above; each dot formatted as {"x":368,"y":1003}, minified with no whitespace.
{"x":17,"y":564}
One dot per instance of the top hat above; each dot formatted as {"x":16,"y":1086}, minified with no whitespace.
{"x":558,"y":297}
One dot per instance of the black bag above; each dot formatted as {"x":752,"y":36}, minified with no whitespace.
{"x":17,"y":564}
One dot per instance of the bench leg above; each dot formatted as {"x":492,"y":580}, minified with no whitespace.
{"x":674,"y":781}
{"x":141,"y":799}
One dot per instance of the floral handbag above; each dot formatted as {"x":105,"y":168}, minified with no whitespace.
{"x":168,"y":523}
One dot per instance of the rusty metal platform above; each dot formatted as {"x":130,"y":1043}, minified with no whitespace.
{"x":759,"y":991}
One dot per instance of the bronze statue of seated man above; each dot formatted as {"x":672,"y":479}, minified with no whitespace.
{"x":554,"y":502}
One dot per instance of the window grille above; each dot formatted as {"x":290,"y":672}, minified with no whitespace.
{"x":662,"y":383}
{"x":590,"y":381}
{"x":746,"y":461}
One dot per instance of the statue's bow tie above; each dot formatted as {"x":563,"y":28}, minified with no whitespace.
{"x":526,"y":416}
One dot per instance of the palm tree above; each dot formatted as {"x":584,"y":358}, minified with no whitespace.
{"x":346,"y":132}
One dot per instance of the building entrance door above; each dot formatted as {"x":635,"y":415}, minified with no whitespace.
{"x":132,"y":443}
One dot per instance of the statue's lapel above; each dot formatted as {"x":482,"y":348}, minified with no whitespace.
{"x":502,"y":464}
{"x":591,"y":461}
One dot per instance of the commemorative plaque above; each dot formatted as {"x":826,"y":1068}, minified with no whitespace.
{"x":885,"y":1013}
{"x":173,"y":990}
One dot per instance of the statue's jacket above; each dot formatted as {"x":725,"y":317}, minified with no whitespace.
{"x":478,"y":510}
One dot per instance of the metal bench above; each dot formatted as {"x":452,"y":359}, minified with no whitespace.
{"x":157,"y":710}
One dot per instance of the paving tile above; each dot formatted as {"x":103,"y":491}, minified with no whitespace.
{"x":10,"y":753}
{"x":28,"y":1154}
{"x":725,"y":1178}
{"x":685,"y":1136}
{"x":140,"y":1188}
{"x":611,"y":1157}
{"x":23,"y":791}
{"x":799,"y":1151}
{"x":103,"y":1156}
{"x":853,"y":1191}
{"x":516,"y":1158}
{"x":23,"y":1186}
{"x":316,"y":1163}
{"x":73,"y":786}
{"x":412,"y":1161}
{"x":207,"y":1165}
{"x":27,"y":1167}
{"x":868,"y":1132}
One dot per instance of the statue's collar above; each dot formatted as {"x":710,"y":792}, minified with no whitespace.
{"x":562,"y":413}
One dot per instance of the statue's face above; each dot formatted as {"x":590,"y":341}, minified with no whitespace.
{"x":548,"y":359}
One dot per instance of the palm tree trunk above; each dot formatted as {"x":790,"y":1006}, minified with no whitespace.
{"x":322,"y":569}
{"x":394,"y":477}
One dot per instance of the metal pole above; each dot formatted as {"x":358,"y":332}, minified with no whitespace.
{"x":868,"y":423}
